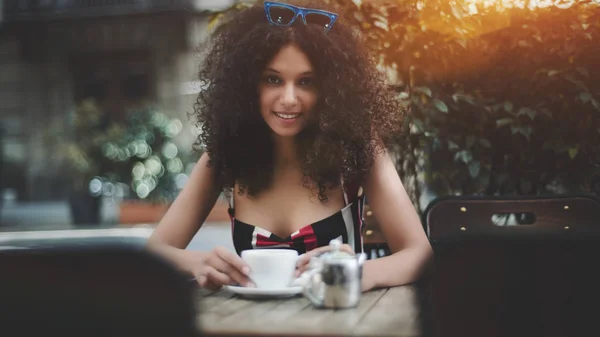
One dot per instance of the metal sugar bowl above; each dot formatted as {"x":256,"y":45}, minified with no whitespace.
{"x":334,"y":279}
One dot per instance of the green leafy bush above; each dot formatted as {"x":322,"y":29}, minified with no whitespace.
{"x":135,"y":158}
{"x":502,"y":100}
{"x":147,"y":158}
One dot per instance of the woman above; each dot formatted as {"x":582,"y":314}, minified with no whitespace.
{"x":295,"y":121}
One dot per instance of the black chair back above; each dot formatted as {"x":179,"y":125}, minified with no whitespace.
{"x":526,"y":279}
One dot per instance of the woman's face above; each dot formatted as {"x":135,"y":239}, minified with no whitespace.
{"x":287,"y":93}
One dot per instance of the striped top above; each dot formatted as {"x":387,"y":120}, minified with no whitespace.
{"x":346,"y":225}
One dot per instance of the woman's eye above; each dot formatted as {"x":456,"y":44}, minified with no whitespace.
{"x":273,"y":80}
{"x":306,"y":81}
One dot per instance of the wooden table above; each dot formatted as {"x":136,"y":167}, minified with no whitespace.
{"x":384,"y":312}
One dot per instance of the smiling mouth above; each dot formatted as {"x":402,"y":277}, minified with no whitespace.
{"x":287,"y":115}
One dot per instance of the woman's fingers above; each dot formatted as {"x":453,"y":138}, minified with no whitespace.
{"x":301,"y":269}
{"x":233,"y":260}
{"x":216,"y":277}
{"x":304,"y":260}
{"x":211,"y":279}
{"x":233,"y":266}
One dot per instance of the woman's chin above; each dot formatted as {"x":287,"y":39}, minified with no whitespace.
{"x":287,"y":130}
{"x":286,"y":133}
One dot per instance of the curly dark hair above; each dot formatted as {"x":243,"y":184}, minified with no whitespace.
{"x":357,"y":111}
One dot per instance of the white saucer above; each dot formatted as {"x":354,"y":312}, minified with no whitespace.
{"x":264,"y":293}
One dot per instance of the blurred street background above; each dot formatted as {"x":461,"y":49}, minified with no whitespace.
{"x":91,"y":92}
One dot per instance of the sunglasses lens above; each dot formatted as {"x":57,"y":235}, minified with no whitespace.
{"x":321,"y":20}
{"x":281,"y":15}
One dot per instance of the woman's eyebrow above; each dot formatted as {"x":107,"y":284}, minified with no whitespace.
{"x":308,"y":72}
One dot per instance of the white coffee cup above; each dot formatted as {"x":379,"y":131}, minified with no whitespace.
{"x":271,"y":268}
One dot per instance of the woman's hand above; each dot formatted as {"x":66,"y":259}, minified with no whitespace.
{"x":367,"y":282}
{"x":304,"y":260}
{"x":217,"y":268}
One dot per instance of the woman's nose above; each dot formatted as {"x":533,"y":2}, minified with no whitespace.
{"x":290,"y":98}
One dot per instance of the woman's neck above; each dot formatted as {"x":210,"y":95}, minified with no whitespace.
{"x":286,"y":155}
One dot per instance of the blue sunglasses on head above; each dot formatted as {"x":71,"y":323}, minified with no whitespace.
{"x":280,"y":14}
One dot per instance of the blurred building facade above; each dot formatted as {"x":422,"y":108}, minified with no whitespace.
{"x":55,"y":53}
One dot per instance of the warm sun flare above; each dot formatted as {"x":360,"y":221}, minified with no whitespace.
{"x":531,"y":4}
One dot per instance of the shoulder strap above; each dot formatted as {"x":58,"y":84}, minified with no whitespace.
{"x":352,"y":190}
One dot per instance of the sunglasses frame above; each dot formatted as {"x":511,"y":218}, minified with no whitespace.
{"x":299,"y":11}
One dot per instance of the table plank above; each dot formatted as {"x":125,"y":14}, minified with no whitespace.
{"x":224,"y":315}
{"x":396,"y":314}
{"x":259,"y":317}
{"x":328,"y":322}
{"x":217,"y":306}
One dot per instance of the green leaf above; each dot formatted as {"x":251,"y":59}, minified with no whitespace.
{"x":423,"y":90}
{"x":485,"y":143}
{"x":494,"y":108}
{"x":573,"y":152}
{"x":524,"y":44}
{"x":403,"y":95}
{"x":441,"y":106}
{"x":508,"y":106}
{"x":585,"y":97}
{"x":462,"y":97}
{"x":553,"y":72}
{"x":452,"y":145}
{"x":464,"y":155}
{"x":504,"y":122}
{"x":474,"y":168}
{"x":596,"y":104}
{"x":583,"y":71}
{"x":525,"y":131}
{"x":382,"y":24}
{"x":418,"y":126}
{"x":527,"y":111}
{"x":547,"y":112}
{"x":578,"y":83}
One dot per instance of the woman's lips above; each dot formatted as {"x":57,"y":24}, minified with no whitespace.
{"x":287,"y":115}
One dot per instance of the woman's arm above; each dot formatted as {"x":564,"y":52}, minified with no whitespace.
{"x":401,"y":226}
{"x":181,"y":222}
{"x":186,"y":215}
{"x":191,"y":207}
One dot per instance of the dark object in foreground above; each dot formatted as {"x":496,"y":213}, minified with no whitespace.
{"x":537,"y":279}
{"x":101,"y":289}
{"x":537,"y":286}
